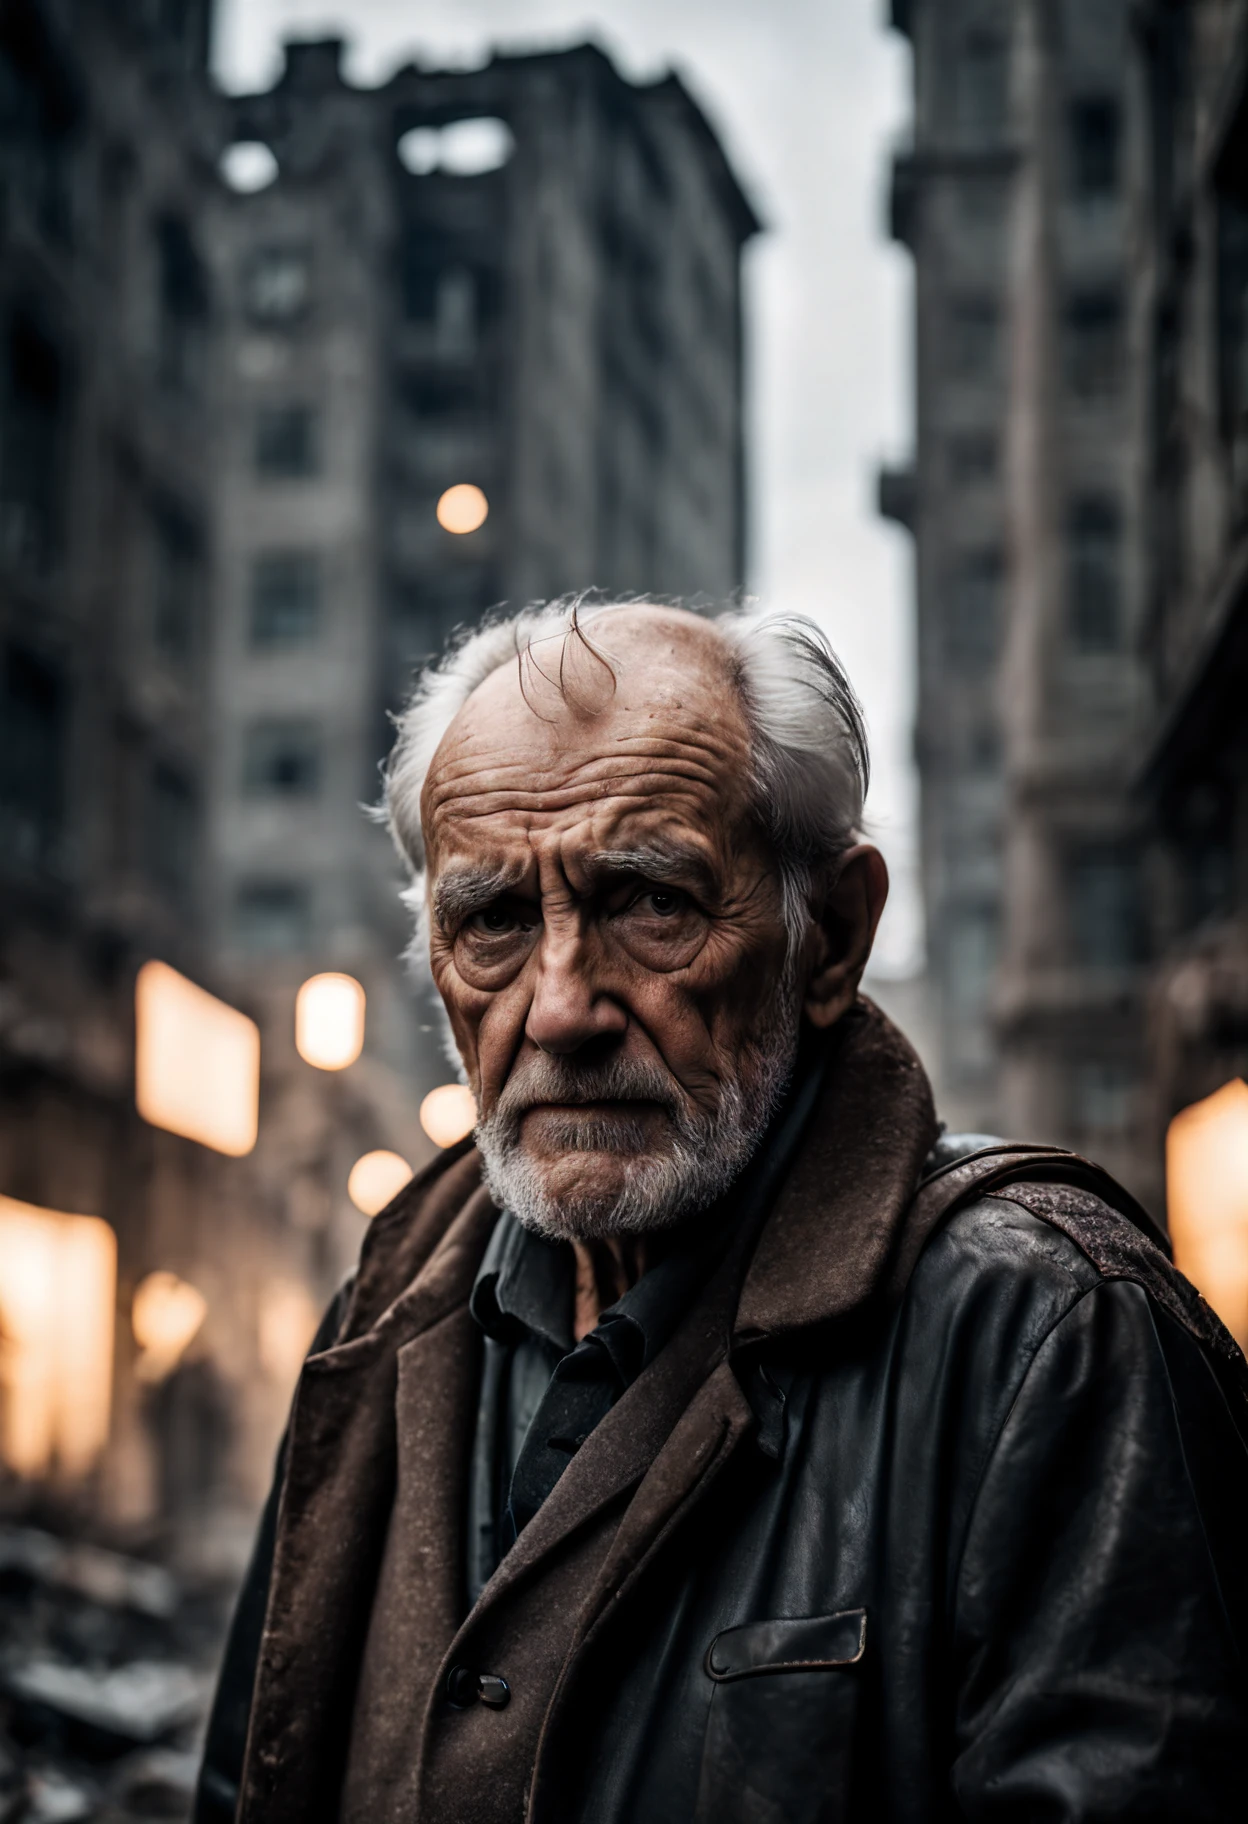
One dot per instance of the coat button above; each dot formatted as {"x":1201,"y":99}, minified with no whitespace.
{"x":461,"y":1686}
{"x":465,"y":1687}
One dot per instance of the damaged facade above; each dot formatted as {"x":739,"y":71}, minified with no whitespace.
{"x":1074,"y":500}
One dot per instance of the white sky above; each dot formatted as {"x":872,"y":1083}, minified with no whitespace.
{"x":807,"y":96}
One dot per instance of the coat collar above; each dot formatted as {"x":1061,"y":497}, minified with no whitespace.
{"x":840,"y":1217}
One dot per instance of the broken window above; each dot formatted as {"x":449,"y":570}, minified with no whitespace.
{"x":272,"y":916}
{"x":32,"y":415}
{"x":286,"y":442}
{"x":1094,"y":135}
{"x":33,"y":727}
{"x":285,"y":598}
{"x":277,"y":285}
{"x":1104,"y":909}
{"x":282,"y":759}
{"x":1093,"y":575}
{"x":1093,"y":342}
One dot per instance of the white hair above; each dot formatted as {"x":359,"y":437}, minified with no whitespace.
{"x":809,"y":741}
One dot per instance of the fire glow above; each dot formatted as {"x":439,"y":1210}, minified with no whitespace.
{"x":57,"y":1298}
{"x":1207,"y":1200}
{"x":196,"y":1062}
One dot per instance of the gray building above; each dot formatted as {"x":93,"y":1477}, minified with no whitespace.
{"x":951,"y":198}
{"x":522,"y":280}
{"x":108,"y":141}
{"x":1192,"y":778}
{"x":1027,"y":502}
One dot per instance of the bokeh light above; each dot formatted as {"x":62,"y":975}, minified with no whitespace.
{"x":1207,"y":1200}
{"x":288,"y":1319}
{"x":448,"y":1114}
{"x":329,"y":1021}
{"x":375,"y":1178}
{"x":248,"y":166}
{"x":462,"y":508}
{"x":165,"y":1316}
{"x":57,"y":1295}
{"x":196,"y":1062}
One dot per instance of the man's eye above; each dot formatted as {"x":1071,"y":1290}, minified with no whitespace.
{"x":664,"y":902}
{"x":494,"y":919}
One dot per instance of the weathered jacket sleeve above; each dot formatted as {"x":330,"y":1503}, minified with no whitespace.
{"x":1101,"y":1610}
{"x":216,"y":1793}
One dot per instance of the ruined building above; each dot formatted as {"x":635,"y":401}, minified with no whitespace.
{"x":107,"y":163}
{"x":1026,"y":504}
{"x":521,"y":282}
{"x":231,"y":416}
{"x":1192,"y":285}
{"x":1086,"y":880}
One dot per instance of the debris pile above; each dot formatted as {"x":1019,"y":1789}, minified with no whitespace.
{"x":106,"y":1668}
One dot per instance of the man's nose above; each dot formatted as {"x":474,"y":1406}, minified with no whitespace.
{"x":568,"y":1008}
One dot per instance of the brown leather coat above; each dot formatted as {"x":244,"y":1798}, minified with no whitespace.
{"x":778,"y":1581}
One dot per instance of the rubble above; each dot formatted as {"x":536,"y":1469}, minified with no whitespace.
{"x":106,"y":1670}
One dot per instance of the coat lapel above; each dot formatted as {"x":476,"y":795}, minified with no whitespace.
{"x":337,"y":1500}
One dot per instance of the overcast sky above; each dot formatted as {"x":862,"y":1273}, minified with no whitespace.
{"x":807,"y":96}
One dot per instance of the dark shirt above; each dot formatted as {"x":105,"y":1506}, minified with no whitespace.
{"x":542,"y":1392}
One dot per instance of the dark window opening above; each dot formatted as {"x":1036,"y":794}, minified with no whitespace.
{"x":37,"y":110}
{"x":285,"y":598}
{"x":286,"y":442}
{"x":32,"y":413}
{"x":975,"y":608}
{"x":974,"y":456}
{"x":273,"y":916}
{"x":171,"y":832}
{"x":456,"y":394}
{"x":1094,"y":137}
{"x":1093,"y":338}
{"x":33,"y":719}
{"x":426,"y":612}
{"x":282,"y":760}
{"x":183,"y":298}
{"x":985,"y":749}
{"x":974,"y":330}
{"x":175,"y":588}
{"x":1104,"y":904}
{"x":982,"y":84}
{"x":1093,"y":578}
{"x":277,"y":284}
{"x":448,"y":294}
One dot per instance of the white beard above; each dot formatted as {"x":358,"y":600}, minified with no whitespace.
{"x":701,"y":1157}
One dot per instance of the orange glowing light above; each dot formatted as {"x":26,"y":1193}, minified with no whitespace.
{"x":1207,"y":1200}
{"x":462,"y":508}
{"x":329,"y":1021}
{"x":165,"y":1316}
{"x":448,"y":1114}
{"x":288,"y":1321}
{"x":57,"y":1294}
{"x":375,"y":1178}
{"x":196,"y":1062}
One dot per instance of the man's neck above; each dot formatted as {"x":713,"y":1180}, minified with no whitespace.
{"x":606,"y":1270}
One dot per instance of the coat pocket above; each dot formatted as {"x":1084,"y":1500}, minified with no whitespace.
{"x":780,"y":1735}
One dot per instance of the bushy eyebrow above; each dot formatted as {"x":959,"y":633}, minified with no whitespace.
{"x":657,"y":861}
{"x":460,"y":892}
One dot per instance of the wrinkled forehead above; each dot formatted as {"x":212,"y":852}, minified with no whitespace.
{"x":595,"y":749}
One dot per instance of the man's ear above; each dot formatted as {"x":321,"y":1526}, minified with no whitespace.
{"x":845,"y":922}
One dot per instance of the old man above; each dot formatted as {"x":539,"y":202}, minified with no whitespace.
{"x":707,"y":1439}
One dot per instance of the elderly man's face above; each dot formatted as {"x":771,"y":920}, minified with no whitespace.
{"x":606,"y":928}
